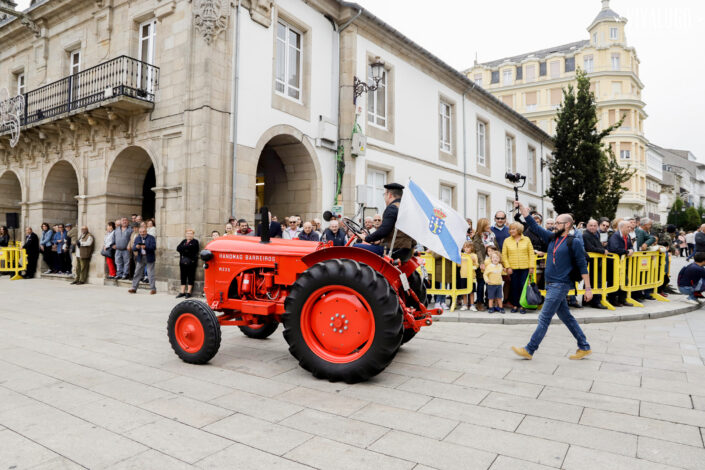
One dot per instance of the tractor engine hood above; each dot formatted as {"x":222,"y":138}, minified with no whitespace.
{"x":237,"y":244}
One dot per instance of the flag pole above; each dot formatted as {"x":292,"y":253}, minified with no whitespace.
{"x":394,"y":237}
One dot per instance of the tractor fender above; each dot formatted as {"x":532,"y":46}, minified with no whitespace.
{"x":377,"y":263}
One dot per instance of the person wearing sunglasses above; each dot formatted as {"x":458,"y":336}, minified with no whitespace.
{"x":292,"y":230}
{"x":501,"y":233}
{"x":565,"y":253}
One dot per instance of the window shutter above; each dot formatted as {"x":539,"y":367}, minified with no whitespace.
{"x":508,"y":100}
{"x":532,"y":98}
{"x":556,"y":96}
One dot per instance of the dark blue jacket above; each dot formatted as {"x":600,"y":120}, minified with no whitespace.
{"x":338,"y":239}
{"x":690,"y":275}
{"x":501,"y":235}
{"x":617,"y":245}
{"x":150,"y":246}
{"x":311,"y":237}
{"x":559,"y":272}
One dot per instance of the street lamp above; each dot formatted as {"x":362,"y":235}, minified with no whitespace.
{"x":361,"y":87}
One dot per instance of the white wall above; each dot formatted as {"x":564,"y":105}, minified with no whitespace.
{"x":415,"y":151}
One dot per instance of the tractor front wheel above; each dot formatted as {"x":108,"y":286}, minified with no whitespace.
{"x":342,"y":321}
{"x":194,"y":332}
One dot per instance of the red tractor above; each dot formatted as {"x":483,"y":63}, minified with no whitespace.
{"x":345,"y":310}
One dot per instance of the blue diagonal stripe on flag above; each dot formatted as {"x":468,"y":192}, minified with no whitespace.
{"x":451,"y":247}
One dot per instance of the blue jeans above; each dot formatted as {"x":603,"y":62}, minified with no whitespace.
{"x":122,"y":261}
{"x":376,"y":249}
{"x":556,"y":304}
{"x":691,"y":290}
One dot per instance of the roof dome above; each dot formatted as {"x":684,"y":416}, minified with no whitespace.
{"x":606,"y":14}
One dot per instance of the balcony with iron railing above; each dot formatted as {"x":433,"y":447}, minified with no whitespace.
{"x":122,"y":83}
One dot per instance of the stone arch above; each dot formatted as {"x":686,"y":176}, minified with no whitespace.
{"x":10,"y":196}
{"x":61,"y":186}
{"x":288,"y":175}
{"x":130,"y":181}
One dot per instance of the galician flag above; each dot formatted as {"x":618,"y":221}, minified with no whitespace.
{"x":431,"y":223}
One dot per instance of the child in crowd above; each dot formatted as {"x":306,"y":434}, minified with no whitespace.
{"x":493,"y":280}
{"x":466,"y":275}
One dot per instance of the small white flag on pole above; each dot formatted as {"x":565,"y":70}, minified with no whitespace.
{"x":431,"y":223}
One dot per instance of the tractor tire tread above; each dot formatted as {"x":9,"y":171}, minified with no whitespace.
{"x":211,"y":331}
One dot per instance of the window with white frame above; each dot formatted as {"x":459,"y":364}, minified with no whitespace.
{"x":615,"y":61}
{"x":147,"y":36}
{"x":446,"y":195}
{"x":377,"y":100}
{"x":594,"y":39}
{"x":555,"y":68}
{"x":289,"y":74}
{"x":445,"y":126}
{"x":530,"y":71}
{"x":482,"y":206}
{"x":531,"y":162}
{"x":481,"y":143}
{"x":613,"y":33}
{"x":20,"y":83}
{"x":588,"y":63}
{"x":625,"y":154}
{"x":478,"y":79}
{"x":376,"y":179}
{"x":74,"y":62}
{"x":507,"y":77}
{"x":509,"y":153}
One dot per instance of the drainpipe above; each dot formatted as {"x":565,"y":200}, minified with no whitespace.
{"x":234,"y":106}
{"x":465,"y":157}
{"x":543,"y":208}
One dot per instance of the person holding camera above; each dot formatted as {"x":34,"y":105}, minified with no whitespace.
{"x":144,"y":248}
{"x":565,"y":255}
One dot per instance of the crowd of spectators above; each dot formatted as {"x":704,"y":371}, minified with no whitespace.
{"x":518,"y":248}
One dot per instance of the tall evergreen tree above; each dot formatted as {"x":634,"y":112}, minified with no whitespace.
{"x":586,"y":179}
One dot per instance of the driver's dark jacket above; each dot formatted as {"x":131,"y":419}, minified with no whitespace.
{"x":385,"y":232}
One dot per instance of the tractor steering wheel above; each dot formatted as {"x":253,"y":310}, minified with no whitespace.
{"x":353,"y":226}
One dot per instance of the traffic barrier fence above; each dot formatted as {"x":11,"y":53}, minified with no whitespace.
{"x":447,"y":278}
{"x":13,"y":259}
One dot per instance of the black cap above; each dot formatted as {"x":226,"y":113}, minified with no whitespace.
{"x":393,"y":186}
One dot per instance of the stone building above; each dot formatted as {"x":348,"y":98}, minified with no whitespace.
{"x":532,"y":84}
{"x":190,"y":111}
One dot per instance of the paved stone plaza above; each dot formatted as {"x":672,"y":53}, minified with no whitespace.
{"x":88,"y":380}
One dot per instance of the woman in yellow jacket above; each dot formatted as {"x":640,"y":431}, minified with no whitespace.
{"x":518,"y":259}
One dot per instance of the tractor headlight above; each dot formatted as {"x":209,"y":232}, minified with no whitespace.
{"x":206,"y":255}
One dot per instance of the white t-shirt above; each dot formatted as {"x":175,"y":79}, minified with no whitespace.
{"x":690,"y":238}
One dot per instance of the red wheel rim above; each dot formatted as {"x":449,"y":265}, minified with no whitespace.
{"x":337,"y":324}
{"x":189,"y":333}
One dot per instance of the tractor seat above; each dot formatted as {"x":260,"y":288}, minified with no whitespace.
{"x":402,"y":254}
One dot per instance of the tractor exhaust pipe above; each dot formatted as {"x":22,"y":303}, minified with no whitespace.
{"x":264,"y":231}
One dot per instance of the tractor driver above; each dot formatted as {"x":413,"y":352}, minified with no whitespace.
{"x":382,"y":237}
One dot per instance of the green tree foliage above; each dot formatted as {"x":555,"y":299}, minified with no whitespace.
{"x":676,"y":216}
{"x":586,"y":178}
{"x":692,"y":219}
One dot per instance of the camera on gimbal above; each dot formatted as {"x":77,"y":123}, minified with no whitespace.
{"x":515,"y":177}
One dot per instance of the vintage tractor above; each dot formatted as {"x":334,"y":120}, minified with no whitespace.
{"x":345,"y":310}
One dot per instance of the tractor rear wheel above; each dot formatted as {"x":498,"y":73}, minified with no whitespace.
{"x":260,"y":331}
{"x":342,"y":321}
{"x":419,"y":288}
{"x":194,"y":332}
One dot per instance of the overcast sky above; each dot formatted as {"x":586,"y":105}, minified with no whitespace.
{"x":669,"y":36}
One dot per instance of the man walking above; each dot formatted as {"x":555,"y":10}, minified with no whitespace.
{"x":31,"y":246}
{"x":145,"y":246}
{"x":564,"y":254}
{"x":83,"y":256}
{"x":122,"y":256}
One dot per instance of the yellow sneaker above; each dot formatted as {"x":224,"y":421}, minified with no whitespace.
{"x":522,"y":352}
{"x":580,"y":353}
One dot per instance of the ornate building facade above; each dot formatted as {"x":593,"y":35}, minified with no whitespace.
{"x":532,"y":84}
{"x":190,"y":111}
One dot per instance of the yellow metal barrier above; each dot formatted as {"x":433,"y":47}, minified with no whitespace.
{"x":442,"y":278}
{"x":603,"y":280}
{"x":643,"y":270}
{"x":13,"y":259}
